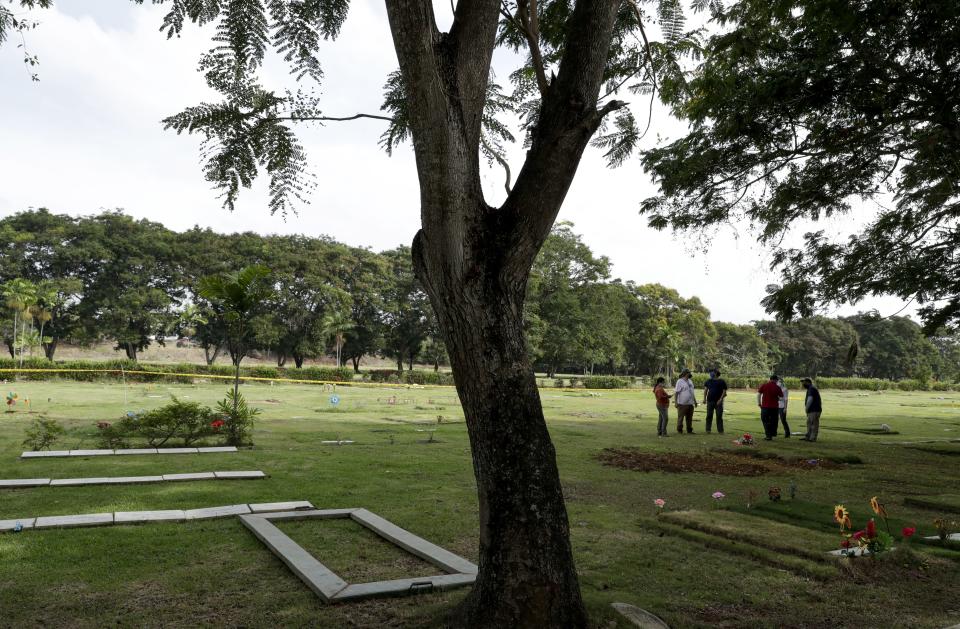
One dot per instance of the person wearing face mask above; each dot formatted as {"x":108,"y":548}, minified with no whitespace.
{"x":685,"y":397}
{"x":813,"y":406}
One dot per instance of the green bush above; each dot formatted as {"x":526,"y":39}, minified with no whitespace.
{"x":606,"y":382}
{"x":42,"y":433}
{"x":186,"y":422}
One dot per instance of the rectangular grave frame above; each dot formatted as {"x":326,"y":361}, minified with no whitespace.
{"x":458,"y":572}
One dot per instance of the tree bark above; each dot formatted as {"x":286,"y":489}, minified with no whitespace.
{"x":298,"y":360}
{"x":281,"y":359}
{"x":13,"y":353}
{"x":527,"y":576}
{"x":474,"y":261}
{"x":131,"y":351}
{"x":356,"y":363}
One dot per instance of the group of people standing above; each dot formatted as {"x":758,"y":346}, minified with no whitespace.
{"x":772,"y":398}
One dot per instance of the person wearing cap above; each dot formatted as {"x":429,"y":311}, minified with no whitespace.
{"x":814,"y":407}
{"x":714,"y":392}
{"x":783,"y":407}
{"x":685,"y":397}
{"x":768,"y":399}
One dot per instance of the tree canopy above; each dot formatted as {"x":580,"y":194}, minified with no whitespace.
{"x":805,"y":109}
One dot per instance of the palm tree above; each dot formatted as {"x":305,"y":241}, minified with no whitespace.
{"x":240,"y":297}
{"x":335,"y":325}
{"x":19,"y":295}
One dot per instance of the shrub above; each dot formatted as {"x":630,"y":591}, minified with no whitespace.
{"x":605,"y":382}
{"x":43,"y":433}
{"x":237,"y":418}
{"x":184,"y":421}
{"x":110,"y":437}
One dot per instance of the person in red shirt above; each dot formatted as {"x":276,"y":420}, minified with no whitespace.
{"x":768,"y":398}
{"x":663,"y":406}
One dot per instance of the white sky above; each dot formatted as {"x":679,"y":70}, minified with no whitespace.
{"x":87,"y":137}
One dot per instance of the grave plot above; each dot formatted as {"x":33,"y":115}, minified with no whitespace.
{"x":330,"y":586}
{"x":781,"y":545}
{"x":942,"y":503}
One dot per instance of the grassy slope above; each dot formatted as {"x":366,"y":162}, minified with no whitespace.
{"x":217,"y":573}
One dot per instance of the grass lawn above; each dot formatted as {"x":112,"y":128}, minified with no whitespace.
{"x":695,"y":566}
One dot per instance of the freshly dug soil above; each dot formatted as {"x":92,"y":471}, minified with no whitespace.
{"x":722,"y":464}
{"x":640,"y":461}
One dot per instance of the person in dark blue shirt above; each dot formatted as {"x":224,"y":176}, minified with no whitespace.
{"x":813,"y":406}
{"x":714,"y":392}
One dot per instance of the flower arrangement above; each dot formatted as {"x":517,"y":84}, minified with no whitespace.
{"x":867,"y":539}
{"x":774,"y":494}
{"x":745,"y":440}
{"x":717,"y":497}
{"x":944,"y":528}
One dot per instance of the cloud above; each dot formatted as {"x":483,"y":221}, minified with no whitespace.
{"x":87,"y":137}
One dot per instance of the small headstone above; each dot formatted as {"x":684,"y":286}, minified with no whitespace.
{"x":132,"y":517}
{"x":23,"y":482}
{"x":240,"y":475}
{"x":639,"y":617}
{"x":11,"y":525}
{"x":66,"y":521}
{"x":192,"y":476}
{"x":217,"y":512}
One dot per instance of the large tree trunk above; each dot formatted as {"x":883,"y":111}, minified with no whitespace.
{"x":356,"y":363}
{"x":10,"y":348}
{"x":298,"y":360}
{"x":211,"y":357}
{"x":131,"y":351}
{"x":281,"y":359}
{"x":49,"y":349}
{"x":474,"y":261}
{"x":527,"y":575}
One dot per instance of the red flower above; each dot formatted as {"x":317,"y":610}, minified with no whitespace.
{"x":858,"y":534}
{"x":845,"y":543}
{"x":908,"y":531}
{"x":217,"y":424}
{"x":871,"y":529}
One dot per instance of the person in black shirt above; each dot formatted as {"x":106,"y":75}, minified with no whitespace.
{"x":714,"y":392}
{"x":814,"y":407}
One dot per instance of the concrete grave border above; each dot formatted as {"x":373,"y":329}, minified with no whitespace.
{"x":20,"y":483}
{"x":330,"y":587}
{"x":48,"y":454}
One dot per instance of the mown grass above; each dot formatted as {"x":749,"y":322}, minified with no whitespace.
{"x":216,"y":573}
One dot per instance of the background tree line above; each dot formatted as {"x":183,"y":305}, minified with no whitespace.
{"x":135,"y":282}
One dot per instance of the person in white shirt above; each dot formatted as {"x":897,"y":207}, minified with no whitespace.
{"x":685,"y":398}
{"x":783,"y":407}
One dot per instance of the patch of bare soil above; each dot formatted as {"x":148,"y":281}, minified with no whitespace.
{"x":640,"y":461}
{"x":721,"y":463}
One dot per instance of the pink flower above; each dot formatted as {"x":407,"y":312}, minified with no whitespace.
{"x":659,"y":502}
{"x":859,"y":534}
{"x":719,"y":495}
{"x":908,"y":531}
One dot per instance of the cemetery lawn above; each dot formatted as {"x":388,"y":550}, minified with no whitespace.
{"x":700,"y":564}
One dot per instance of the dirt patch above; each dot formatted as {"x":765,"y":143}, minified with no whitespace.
{"x":730,"y":463}
{"x":640,"y":461}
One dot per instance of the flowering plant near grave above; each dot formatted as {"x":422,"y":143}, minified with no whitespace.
{"x":867,"y":539}
{"x":944,"y":528}
{"x":717,"y":497}
{"x":659,"y":503}
{"x":745,"y":440}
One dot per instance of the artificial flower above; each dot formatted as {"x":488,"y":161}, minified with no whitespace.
{"x":859,"y":535}
{"x":659,"y":502}
{"x":840,"y":514}
{"x":845,"y":543}
{"x":719,"y":495}
{"x":908,"y":531}
{"x":871,"y":529}
{"x":878,"y":507}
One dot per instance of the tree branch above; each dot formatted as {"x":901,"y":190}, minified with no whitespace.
{"x":334,"y":118}
{"x":529,"y":21}
{"x":473,"y":35}
{"x":568,"y":119}
{"x":500,"y":160}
